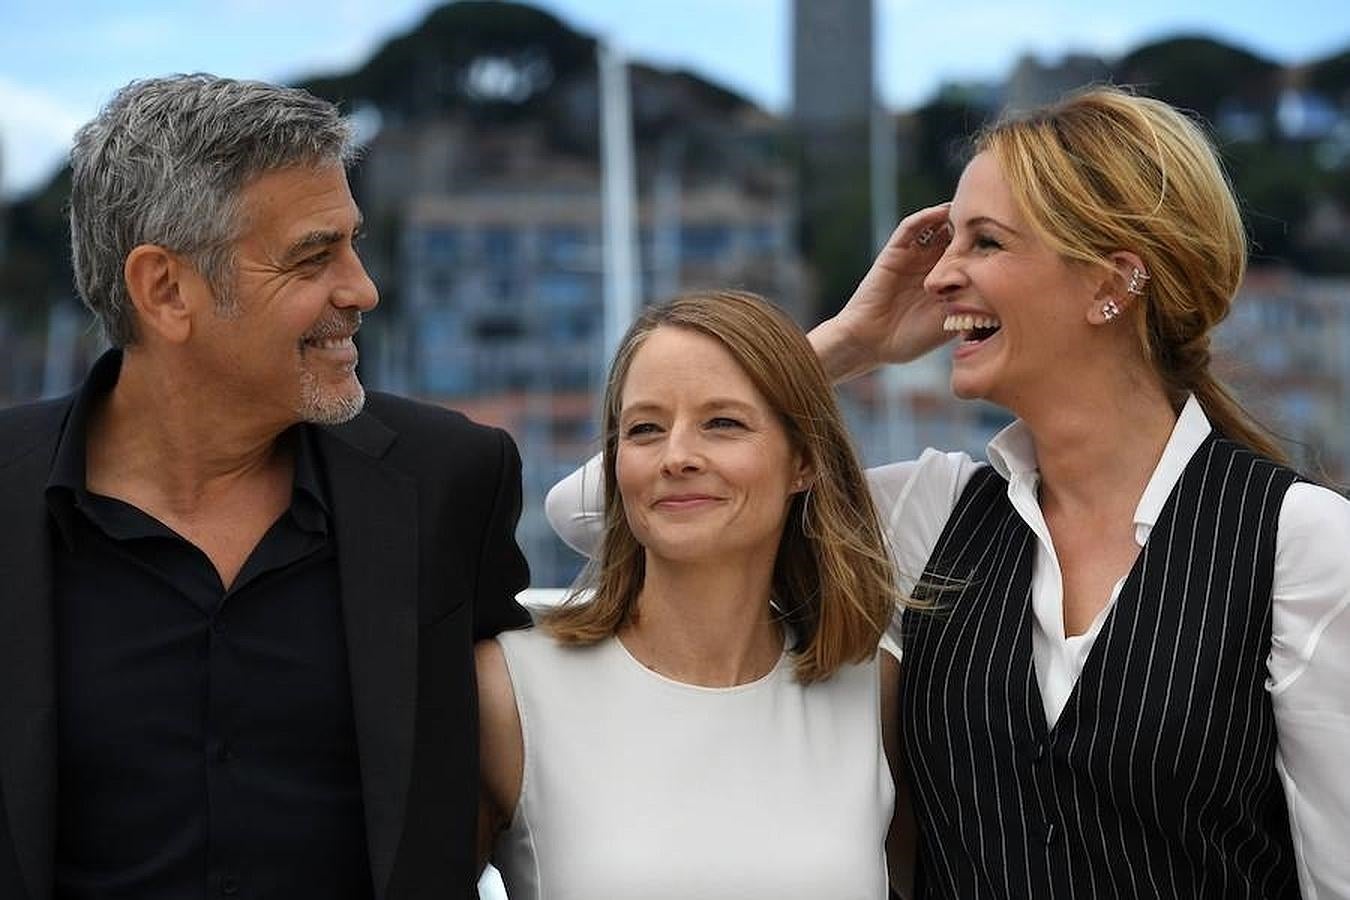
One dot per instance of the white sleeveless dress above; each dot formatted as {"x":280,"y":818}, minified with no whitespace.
{"x":637,"y":787}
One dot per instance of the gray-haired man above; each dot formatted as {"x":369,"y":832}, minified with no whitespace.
{"x":237,"y":611}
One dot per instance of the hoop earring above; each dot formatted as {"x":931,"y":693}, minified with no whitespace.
{"x":1137,"y":280}
{"x":804,"y":515}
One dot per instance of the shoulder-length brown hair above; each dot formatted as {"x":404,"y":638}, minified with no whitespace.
{"x":833,"y":579}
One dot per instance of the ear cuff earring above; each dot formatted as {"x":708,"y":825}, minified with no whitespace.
{"x":1110,"y":310}
{"x":1137,"y":280}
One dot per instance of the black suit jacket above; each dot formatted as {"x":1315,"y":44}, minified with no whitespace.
{"x":424,"y":507}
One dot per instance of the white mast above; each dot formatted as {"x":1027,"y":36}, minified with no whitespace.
{"x":619,"y":198}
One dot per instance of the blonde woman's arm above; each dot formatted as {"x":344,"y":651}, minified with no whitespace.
{"x":1309,"y":668}
{"x":575,"y":507}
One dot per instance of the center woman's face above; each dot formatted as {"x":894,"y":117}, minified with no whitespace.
{"x":703,"y":464}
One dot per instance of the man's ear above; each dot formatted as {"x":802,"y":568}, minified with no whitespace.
{"x":160,"y":284}
{"x":1120,"y":290}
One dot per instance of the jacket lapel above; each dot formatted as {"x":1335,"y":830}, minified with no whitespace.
{"x":27,"y":652}
{"x":375,"y":522}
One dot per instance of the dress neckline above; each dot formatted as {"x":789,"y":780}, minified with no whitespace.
{"x":638,"y":665}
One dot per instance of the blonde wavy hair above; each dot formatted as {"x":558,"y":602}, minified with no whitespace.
{"x":833,"y":579}
{"x":1105,"y":170}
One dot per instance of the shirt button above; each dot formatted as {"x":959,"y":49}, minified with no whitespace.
{"x":229,"y":885}
{"x":217,"y":626}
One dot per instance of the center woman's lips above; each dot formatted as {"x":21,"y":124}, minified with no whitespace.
{"x":684,"y":501}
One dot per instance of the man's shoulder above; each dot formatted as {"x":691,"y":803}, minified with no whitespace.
{"x":420,"y":436}
{"x":418,"y":419}
{"x":29,"y":426}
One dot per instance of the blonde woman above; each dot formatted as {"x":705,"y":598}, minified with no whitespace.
{"x":705,"y":721}
{"x":1141,"y":689}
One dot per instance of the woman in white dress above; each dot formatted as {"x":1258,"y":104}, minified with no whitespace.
{"x":705,"y":721}
{"x":1135,"y":680}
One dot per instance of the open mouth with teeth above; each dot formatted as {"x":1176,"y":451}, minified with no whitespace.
{"x":972,"y":328}
{"x":327,"y":343}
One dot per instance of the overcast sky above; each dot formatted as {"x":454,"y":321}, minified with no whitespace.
{"x":60,"y":59}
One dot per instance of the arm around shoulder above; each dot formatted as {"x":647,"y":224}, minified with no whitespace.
{"x":575,"y":507}
{"x":501,"y":749}
{"x":903,"y":834}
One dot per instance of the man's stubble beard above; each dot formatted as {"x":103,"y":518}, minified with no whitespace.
{"x":314,"y":407}
{"x":317,"y":409}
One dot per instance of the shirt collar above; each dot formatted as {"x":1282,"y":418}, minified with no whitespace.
{"x":1187,"y":435}
{"x":68,"y":467}
{"x":1012,"y":452}
{"x":309,"y":483}
{"x":1013,"y":455}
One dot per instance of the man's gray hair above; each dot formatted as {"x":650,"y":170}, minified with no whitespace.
{"x":165,"y":162}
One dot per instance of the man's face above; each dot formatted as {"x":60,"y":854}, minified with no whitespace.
{"x":284,"y":349}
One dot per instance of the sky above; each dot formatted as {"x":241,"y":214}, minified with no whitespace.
{"x":61,"y":59}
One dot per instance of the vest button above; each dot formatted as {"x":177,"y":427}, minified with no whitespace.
{"x":1050,"y":833}
{"x":1038,"y":751}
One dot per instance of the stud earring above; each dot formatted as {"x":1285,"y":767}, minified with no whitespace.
{"x":1110,"y":310}
{"x":1137,"y":279}
{"x":925,"y":237}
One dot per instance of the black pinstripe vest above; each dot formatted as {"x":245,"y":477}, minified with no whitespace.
{"x":1158,"y":780}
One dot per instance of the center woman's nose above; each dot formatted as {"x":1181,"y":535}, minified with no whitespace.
{"x":682,"y":453}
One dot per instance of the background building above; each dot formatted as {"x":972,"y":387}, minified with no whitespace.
{"x":833,"y":106}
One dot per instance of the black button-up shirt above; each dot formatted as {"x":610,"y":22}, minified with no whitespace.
{"x":205,"y":736}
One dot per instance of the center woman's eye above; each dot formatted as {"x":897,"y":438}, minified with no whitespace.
{"x":638,"y":429}
{"x":725,"y":422}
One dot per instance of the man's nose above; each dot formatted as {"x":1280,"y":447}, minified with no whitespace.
{"x":357,"y":290}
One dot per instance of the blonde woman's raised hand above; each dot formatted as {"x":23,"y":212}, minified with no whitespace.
{"x":890,"y":318}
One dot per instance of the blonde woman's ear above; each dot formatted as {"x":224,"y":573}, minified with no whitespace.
{"x":1129,"y":276}
{"x":1104,"y":312}
{"x":1123,"y":285}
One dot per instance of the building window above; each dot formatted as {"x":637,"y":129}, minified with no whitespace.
{"x":501,"y":247}
{"x":564,"y":246}
{"x":704,"y":243}
{"x":443,"y":245}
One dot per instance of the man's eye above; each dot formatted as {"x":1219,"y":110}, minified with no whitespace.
{"x":318,"y":259}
